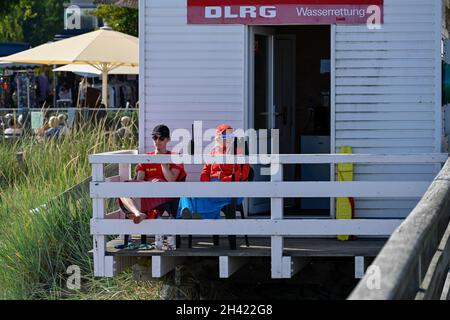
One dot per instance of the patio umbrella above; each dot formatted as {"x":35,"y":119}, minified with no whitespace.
{"x":88,"y":70}
{"x":103,"y":49}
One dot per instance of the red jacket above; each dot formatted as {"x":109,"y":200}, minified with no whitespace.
{"x":224,"y":172}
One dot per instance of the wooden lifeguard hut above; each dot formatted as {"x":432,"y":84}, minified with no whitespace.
{"x":364,"y":74}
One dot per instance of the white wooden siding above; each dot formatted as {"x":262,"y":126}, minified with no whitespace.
{"x":386,"y":96}
{"x":387,"y":92}
{"x":191,"y":72}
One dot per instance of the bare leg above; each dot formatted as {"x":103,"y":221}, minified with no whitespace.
{"x":136,"y":215}
{"x":131,"y":205}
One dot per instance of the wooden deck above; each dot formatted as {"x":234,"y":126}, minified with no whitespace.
{"x":260,"y":247}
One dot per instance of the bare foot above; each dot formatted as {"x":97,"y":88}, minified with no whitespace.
{"x":141,"y":217}
{"x":131,"y":216}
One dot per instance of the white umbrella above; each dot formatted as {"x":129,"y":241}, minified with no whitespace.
{"x":103,"y":49}
{"x":87,"y":69}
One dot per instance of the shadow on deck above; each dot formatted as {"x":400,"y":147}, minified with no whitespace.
{"x":260,"y":247}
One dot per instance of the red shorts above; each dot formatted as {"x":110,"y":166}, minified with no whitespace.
{"x":148,"y":205}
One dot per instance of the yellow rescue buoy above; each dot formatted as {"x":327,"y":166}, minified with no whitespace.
{"x":345,"y":206}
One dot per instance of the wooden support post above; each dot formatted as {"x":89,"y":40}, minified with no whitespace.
{"x":277,"y":242}
{"x":277,"y":257}
{"x":99,"y":256}
{"x":163,"y":265}
{"x":110,"y":268}
{"x":359,"y":267}
{"x":99,"y":213}
{"x":114,"y":265}
{"x":292,"y":266}
{"x":229,"y":265}
{"x":125,"y":174}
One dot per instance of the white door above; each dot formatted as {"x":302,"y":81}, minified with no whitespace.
{"x":262,"y":115}
{"x":272,"y":97}
{"x":285,"y":56}
{"x":284,"y":93}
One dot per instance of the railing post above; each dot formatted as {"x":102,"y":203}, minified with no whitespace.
{"x":99,"y":213}
{"x":125,"y":168}
{"x":276,"y":205}
{"x":124,"y":175}
{"x":124,"y":171}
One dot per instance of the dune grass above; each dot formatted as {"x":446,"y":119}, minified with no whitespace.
{"x":37,"y":247}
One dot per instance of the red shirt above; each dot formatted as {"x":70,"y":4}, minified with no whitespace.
{"x":154,"y":170}
{"x":224,"y":172}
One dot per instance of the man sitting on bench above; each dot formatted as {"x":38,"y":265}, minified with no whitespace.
{"x":155,"y":173}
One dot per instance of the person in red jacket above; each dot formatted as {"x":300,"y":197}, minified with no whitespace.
{"x":224,"y":172}
{"x":209,"y":208}
{"x":153,"y":172}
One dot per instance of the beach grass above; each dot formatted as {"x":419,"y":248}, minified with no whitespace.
{"x":43,"y":234}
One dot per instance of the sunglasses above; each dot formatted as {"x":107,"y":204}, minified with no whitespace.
{"x":227,"y":136}
{"x":156,"y":138}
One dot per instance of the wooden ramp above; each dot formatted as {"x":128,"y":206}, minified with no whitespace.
{"x":297,"y":250}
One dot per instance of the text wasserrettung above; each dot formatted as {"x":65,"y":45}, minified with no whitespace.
{"x":343,"y":12}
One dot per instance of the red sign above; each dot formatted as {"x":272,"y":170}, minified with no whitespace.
{"x":268,"y":12}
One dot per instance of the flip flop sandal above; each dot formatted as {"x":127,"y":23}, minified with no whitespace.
{"x":146,"y":247}
{"x":121,"y":246}
{"x":132,"y":246}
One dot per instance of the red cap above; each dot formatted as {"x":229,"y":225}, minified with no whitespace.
{"x":222,"y":128}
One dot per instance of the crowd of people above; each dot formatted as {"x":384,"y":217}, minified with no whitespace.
{"x":41,"y":88}
{"x":56,"y":126}
{"x":12,"y":128}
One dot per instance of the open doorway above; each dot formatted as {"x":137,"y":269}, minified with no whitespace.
{"x":290,"y":91}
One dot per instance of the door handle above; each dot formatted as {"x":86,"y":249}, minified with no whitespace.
{"x":282,"y":114}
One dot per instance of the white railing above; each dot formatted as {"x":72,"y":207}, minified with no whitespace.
{"x":415,"y":262}
{"x":276,"y":189}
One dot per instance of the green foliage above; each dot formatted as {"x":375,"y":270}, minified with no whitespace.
{"x":37,"y":21}
{"x":32,"y":21}
{"x":121,"y":19}
{"x":37,"y":246}
{"x":10,"y":22}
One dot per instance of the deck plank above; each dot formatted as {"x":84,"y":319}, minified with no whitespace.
{"x":260,"y":247}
